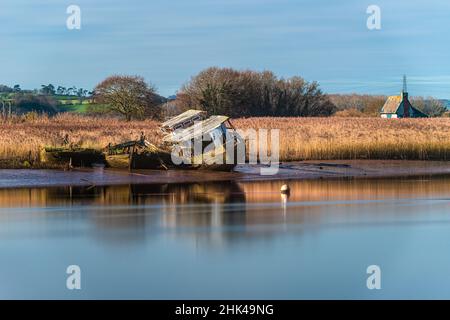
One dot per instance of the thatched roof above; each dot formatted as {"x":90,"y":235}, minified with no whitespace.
{"x":392,"y":104}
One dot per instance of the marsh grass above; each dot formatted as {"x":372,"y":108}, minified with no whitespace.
{"x":22,"y":138}
{"x":358,"y":138}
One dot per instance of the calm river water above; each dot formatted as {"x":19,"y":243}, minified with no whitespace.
{"x":228,"y":240}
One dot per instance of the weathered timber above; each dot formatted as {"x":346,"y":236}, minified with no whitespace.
{"x":78,"y":157}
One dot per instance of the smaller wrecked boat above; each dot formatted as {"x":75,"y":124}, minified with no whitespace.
{"x":136,"y":154}
{"x":72,"y":156}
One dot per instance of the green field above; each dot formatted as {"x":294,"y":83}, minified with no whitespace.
{"x":65,"y":103}
{"x":77,"y":108}
{"x":72,"y":104}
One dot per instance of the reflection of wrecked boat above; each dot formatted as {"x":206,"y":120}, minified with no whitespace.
{"x":191,"y":141}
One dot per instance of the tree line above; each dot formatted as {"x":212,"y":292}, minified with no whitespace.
{"x":236,"y":93}
{"x":44,"y":100}
{"x":250,"y":93}
{"x":363,"y":105}
{"x":242,"y":94}
{"x":48,"y":89}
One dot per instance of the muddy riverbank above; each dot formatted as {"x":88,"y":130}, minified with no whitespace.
{"x":10,"y":178}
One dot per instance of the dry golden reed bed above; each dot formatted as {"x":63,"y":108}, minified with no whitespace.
{"x":358,"y":138}
{"x":23,"y":140}
{"x":300,"y":138}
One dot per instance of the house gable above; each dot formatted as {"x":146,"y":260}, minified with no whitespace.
{"x":391,"y":105}
{"x":400,"y":106}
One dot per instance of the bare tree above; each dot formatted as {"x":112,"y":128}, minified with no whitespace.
{"x":430,"y":106}
{"x":363,"y":104}
{"x":250,"y":93}
{"x":129,"y":96}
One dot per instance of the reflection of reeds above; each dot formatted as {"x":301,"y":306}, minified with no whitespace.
{"x":356,"y":189}
{"x":300,"y":138}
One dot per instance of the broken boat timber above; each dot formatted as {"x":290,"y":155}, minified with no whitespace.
{"x":179,"y":134}
{"x":72,"y":156}
{"x":138,"y":154}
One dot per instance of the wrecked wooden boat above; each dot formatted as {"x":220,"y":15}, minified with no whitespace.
{"x":72,"y":156}
{"x":213,"y":155}
{"x":177,"y":150}
{"x":136,"y":154}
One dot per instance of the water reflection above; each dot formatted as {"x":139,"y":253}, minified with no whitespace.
{"x":227,"y":239}
{"x":224,"y":192}
{"x":234,"y":211}
{"x":123,"y":195}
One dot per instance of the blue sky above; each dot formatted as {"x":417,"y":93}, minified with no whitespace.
{"x":168,"y":41}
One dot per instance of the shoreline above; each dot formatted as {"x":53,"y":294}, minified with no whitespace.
{"x":305,"y":170}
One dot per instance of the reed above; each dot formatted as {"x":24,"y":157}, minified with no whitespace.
{"x":358,"y":138}
{"x":22,"y":138}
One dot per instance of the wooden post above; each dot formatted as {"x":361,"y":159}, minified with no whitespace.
{"x":131,"y":159}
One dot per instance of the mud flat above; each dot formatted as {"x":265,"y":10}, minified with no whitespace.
{"x":328,"y":169}
{"x":11,"y":178}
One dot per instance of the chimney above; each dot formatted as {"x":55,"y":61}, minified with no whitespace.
{"x":404,"y":96}
{"x":405,"y":100}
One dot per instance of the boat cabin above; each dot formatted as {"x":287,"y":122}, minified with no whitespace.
{"x":183,"y":121}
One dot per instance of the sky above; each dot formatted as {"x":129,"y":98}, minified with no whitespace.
{"x":169,"y":41}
